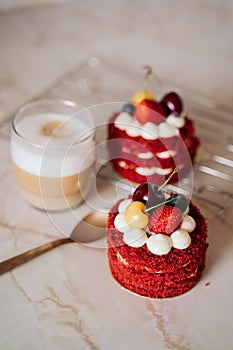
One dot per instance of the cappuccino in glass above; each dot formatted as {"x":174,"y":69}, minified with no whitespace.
{"x":53,"y":153}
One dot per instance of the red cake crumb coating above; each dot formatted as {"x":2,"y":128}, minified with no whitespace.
{"x":185,"y":145}
{"x":157,"y":276}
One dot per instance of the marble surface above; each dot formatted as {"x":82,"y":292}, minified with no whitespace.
{"x":67,"y":297}
{"x":187,"y":43}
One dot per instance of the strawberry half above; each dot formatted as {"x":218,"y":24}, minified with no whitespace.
{"x":149,"y":111}
{"x":165,"y":220}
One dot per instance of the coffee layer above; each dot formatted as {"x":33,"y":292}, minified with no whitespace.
{"x":53,"y":193}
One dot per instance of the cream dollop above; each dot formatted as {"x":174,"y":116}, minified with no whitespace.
{"x":149,"y":131}
{"x":166,"y":154}
{"x":159,"y":244}
{"x":176,"y":121}
{"x":153,"y":170}
{"x":135,"y":237}
{"x":180,"y":239}
{"x":166,"y":130}
{"x":120,"y":223}
{"x":134,"y":130}
{"x":146,"y":155}
{"x":123,"y":121}
{"x":188,"y":223}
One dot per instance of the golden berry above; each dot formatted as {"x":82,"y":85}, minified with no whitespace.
{"x":134,"y":215}
{"x":142,"y":95}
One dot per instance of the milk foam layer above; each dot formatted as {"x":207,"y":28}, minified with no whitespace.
{"x":48,"y":156}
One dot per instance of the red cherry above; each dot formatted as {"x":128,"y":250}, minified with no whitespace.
{"x":172,"y":103}
{"x":148,"y":194}
{"x":149,"y":111}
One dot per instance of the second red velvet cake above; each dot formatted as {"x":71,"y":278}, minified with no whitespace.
{"x":157,"y":243}
{"x":148,"y":139}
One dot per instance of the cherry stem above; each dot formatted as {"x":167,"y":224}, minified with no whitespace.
{"x":158,"y":205}
{"x":148,"y":72}
{"x":158,"y":80}
{"x":168,"y":179}
{"x":159,"y":189}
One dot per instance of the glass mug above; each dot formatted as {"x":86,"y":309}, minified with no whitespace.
{"x":53,"y":153}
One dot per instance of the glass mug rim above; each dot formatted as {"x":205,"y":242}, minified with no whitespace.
{"x":47,"y":101}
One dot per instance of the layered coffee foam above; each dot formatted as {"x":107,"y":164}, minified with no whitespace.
{"x":52,"y":146}
{"x":53,"y":158}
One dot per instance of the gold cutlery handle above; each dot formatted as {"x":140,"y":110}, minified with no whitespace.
{"x":20,"y":259}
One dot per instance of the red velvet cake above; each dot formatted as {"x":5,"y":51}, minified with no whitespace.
{"x":148,"y":139}
{"x":156,"y":246}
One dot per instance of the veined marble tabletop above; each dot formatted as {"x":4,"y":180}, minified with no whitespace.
{"x":67,"y":298}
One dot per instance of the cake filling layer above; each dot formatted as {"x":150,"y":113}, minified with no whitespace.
{"x":151,"y":171}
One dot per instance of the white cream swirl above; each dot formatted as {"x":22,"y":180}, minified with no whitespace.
{"x":176,"y":121}
{"x":180,"y":239}
{"x":159,"y":244}
{"x":123,"y":121}
{"x":148,"y":131}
